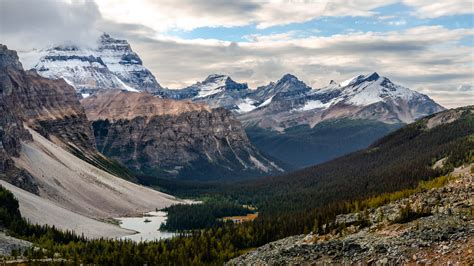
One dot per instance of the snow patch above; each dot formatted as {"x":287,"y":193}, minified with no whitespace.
{"x":266,"y":102}
{"x":314,"y":104}
{"x":246,"y":106}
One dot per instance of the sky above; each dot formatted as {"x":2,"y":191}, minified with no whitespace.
{"x":425,"y":45}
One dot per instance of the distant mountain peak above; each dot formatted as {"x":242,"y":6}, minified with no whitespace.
{"x":371,"y":77}
{"x":288,"y":77}
{"x":105,"y":35}
{"x":217,"y":76}
{"x":112,"y":65}
{"x":360,"y":78}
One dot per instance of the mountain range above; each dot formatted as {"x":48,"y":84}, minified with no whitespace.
{"x":72,"y":151}
{"x":290,"y":121}
{"x":49,"y":159}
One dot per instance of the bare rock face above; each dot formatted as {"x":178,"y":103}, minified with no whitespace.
{"x":11,"y":124}
{"x":51,"y":108}
{"x":48,"y":106}
{"x":174,"y":138}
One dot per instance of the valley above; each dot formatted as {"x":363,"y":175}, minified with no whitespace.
{"x":100,"y":164}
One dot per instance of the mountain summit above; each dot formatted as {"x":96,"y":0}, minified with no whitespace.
{"x":113,"y":65}
{"x":216,"y":90}
{"x":290,"y":102}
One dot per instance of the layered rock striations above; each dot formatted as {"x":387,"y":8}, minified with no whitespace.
{"x":173,"y":138}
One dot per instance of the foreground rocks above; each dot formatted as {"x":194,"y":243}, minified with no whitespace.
{"x":446,"y":236}
{"x":8,"y":244}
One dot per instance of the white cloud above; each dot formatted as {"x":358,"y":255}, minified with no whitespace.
{"x":422,"y":57}
{"x":30,"y":24}
{"x":434,"y":9}
{"x":397,"y":22}
{"x":425,"y":58}
{"x":167,"y":15}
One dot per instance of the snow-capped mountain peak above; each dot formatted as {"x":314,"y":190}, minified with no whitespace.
{"x":288,"y":77}
{"x":360,"y":78}
{"x":371,"y":96}
{"x":215,"y":84}
{"x":113,"y":65}
{"x":368,"y":89}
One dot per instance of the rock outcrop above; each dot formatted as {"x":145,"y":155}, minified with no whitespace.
{"x":443,"y":235}
{"x":170,"y":138}
{"x":47,"y":106}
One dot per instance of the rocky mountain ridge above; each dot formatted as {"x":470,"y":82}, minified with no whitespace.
{"x":290,"y":102}
{"x":168,"y":138}
{"x":285,"y":103}
{"x":48,"y":106}
{"x":216,"y":90}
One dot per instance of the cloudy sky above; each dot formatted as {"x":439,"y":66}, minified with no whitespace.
{"x":426,"y":45}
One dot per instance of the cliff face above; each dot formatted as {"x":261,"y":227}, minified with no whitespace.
{"x":51,"y":108}
{"x":47,"y":106}
{"x":198,"y":143}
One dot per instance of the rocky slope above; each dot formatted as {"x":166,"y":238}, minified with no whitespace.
{"x":48,"y":149}
{"x":8,"y":244}
{"x":112,"y":65}
{"x":170,"y":138}
{"x":444,"y":235}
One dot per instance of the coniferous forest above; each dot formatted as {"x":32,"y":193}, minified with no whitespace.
{"x":296,"y":203}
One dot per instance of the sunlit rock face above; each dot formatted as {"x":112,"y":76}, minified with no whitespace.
{"x":170,"y":138}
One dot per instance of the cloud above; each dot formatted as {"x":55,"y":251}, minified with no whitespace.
{"x":420,"y":58}
{"x":434,"y":9}
{"x":466,"y":88}
{"x":428,"y":58}
{"x":165,"y":15}
{"x":32,"y":24}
